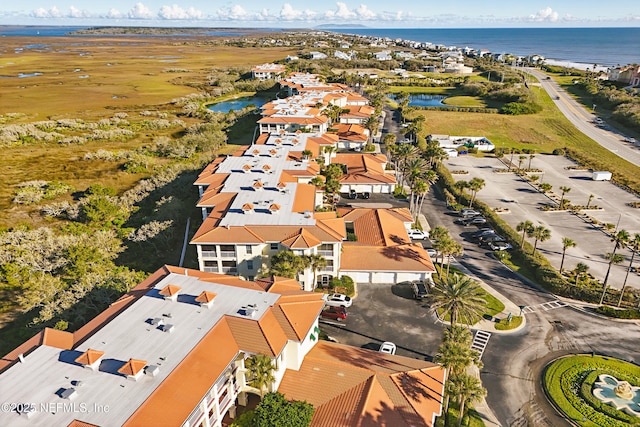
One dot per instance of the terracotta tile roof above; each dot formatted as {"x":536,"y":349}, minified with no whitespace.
{"x":89,"y":357}
{"x":206,"y":297}
{"x":304,"y":199}
{"x":170,"y":290}
{"x":364,"y":168}
{"x":56,"y":338}
{"x":351,"y":132}
{"x":362,"y":387}
{"x":302,"y":239}
{"x":78,"y":423}
{"x":264,"y":336}
{"x":276,"y":284}
{"x":132,"y":367}
{"x":300,"y":315}
{"x":408,"y":257}
{"x":379,"y":227}
{"x":212,"y":180}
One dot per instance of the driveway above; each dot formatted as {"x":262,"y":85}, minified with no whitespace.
{"x":508,"y":190}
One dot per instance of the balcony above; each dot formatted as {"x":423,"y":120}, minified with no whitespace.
{"x":211,"y":269}
{"x":325,"y":253}
{"x":229,"y":270}
{"x":327,"y":269}
{"x":228,"y":254}
{"x":209,"y":254}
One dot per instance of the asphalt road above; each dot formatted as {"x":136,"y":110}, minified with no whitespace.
{"x":513,"y":363}
{"x":582,"y":119}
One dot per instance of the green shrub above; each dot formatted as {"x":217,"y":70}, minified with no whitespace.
{"x":618,"y":313}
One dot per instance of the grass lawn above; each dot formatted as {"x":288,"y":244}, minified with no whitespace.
{"x":465,"y":101}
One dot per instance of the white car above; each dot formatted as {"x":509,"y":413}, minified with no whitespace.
{"x":499,"y":246}
{"x":337,"y":300}
{"x":388,"y":347}
{"x":416,"y":234}
{"x":432,"y":253}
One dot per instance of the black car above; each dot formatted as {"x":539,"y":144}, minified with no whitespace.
{"x":491,"y":238}
{"x":353,"y":194}
{"x":365,"y":195}
{"x":420,"y":290}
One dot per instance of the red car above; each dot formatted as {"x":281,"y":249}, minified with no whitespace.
{"x":335,"y":313}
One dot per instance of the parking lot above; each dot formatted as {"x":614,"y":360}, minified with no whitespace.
{"x":523,"y":201}
{"x":388,"y":313}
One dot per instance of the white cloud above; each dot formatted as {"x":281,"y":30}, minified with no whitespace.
{"x":44,"y":13}
{"x":74,"y":12}
{"x":176,"y":12}
{"x":114,"y":14}
{"x":544,"y":15}
{"x":364,"y":12}
{"x":235,"y":13}
{"x":288,"y":13}
{"x":341,"y":12}
{"x":140,"y":11}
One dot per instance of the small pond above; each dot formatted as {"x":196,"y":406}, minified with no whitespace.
{"x":425,"y":100}
{"x":238,"y":103}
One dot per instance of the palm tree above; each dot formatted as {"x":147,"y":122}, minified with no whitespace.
{"x":461,"y":186}
{"x":564,"y":190}
{"x":316,"y":262}
{"x":418,"y":191}
{"x":458,"y":296}
{"x":521,"y":159}
{"x":455,"y":249}
{"x":635,"y":247}
{"x":591,"y":196}
{"x":526,"y":227}
{"x":540,"y":234}
{"x":468,"y":389}
{"x":371,"y":124}
{"x":545,"y":187}
{"x":621,"y":238}
{"x":580,"y":270}
{"x":438,"y":233}
{"x":260,"y":369}
{"x":475,"y":185}
{"x":566,"y":243}
{"x":531,"y":156}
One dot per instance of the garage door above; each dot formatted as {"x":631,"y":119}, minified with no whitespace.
{"x":409,"y":277}
{"x":383,"y":278}
{"x":361,"y":277}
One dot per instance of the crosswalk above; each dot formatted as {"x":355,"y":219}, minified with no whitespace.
{"x":545,"y":306}
{"x":480,"y":341}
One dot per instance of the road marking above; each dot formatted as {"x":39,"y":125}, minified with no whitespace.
{"x":545,"y":306}
{"x":480,"y":341}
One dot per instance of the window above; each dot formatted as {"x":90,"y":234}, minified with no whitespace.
{"x":274,"y":246}
{"x":250,"y":265}
{"x":249,"y":249}
{"x":250,"y":278}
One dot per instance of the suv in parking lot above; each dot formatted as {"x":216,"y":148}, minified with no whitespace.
{"x":335,"y":313}
{"x":416,"y":234}
{"x":474,"y":220}
{"x":468,"y":212}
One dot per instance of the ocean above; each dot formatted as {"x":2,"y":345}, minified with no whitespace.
{"x":603,"y":46}
{"x":606,"y":47}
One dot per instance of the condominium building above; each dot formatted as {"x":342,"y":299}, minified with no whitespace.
{"x":173,"y":351}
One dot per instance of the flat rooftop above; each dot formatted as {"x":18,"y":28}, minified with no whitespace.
{"x":104,"y":397}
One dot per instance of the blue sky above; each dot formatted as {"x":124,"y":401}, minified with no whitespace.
{"x":291,"y":14}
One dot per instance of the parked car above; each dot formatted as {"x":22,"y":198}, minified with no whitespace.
{"x":335,"y":313}
{"x":353,"y":194}
{"x":416,"y":234}
{"x":337,"y":300}
{"x":474,"y":220}
{"x":491,"y":238}
{"x":365,"y":195}
{"x":420,"y":289}
{"x":499,"y":246}
{"x":388,"y":347}
{"x":468,"y":212}
{"x":432,"y":253}
{"x":483,"y":232}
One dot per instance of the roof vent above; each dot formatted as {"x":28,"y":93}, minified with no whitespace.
{"x":249,"y":310}
{"x":247,"y":208}
{"x":206,"y":299}
{"x":170,"y":292}
{"x":258,"y":185}
{"x":168,"y":328}
{"x":133,"y":369}
{"x":90,"y":359}
{"x":307,"y":214}
{"x":69,"y":393}
{"x":246,"y":168}
{"x":274,"y":208}
{"x":152,"y":370}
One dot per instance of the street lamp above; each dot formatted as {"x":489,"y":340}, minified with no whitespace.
{"x":594,"y":108}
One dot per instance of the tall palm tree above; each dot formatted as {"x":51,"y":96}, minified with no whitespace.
{"x":526,"y":227}
{"x":468,"y":389}
{"x":418,"y":190}
{"x":540,"y":234}
{"x":635,"y":247}
{"x":564,"y":190}
{"x":566,"y":243}
{"x":531,"y":156}
{"x":580,"y":270}
{"x":475,"y":185}
{"x":461,"y":186}
{"x":521,"y":159}
{"x":455,"y":249}
{"x":458,"y":296}
{"x":371,"y":124}
{"x":260,"y":369}
{"x":316,"y":262}
{"x":621,"y":238}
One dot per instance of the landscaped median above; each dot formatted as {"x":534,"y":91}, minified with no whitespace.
{"x":569,"y":381}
